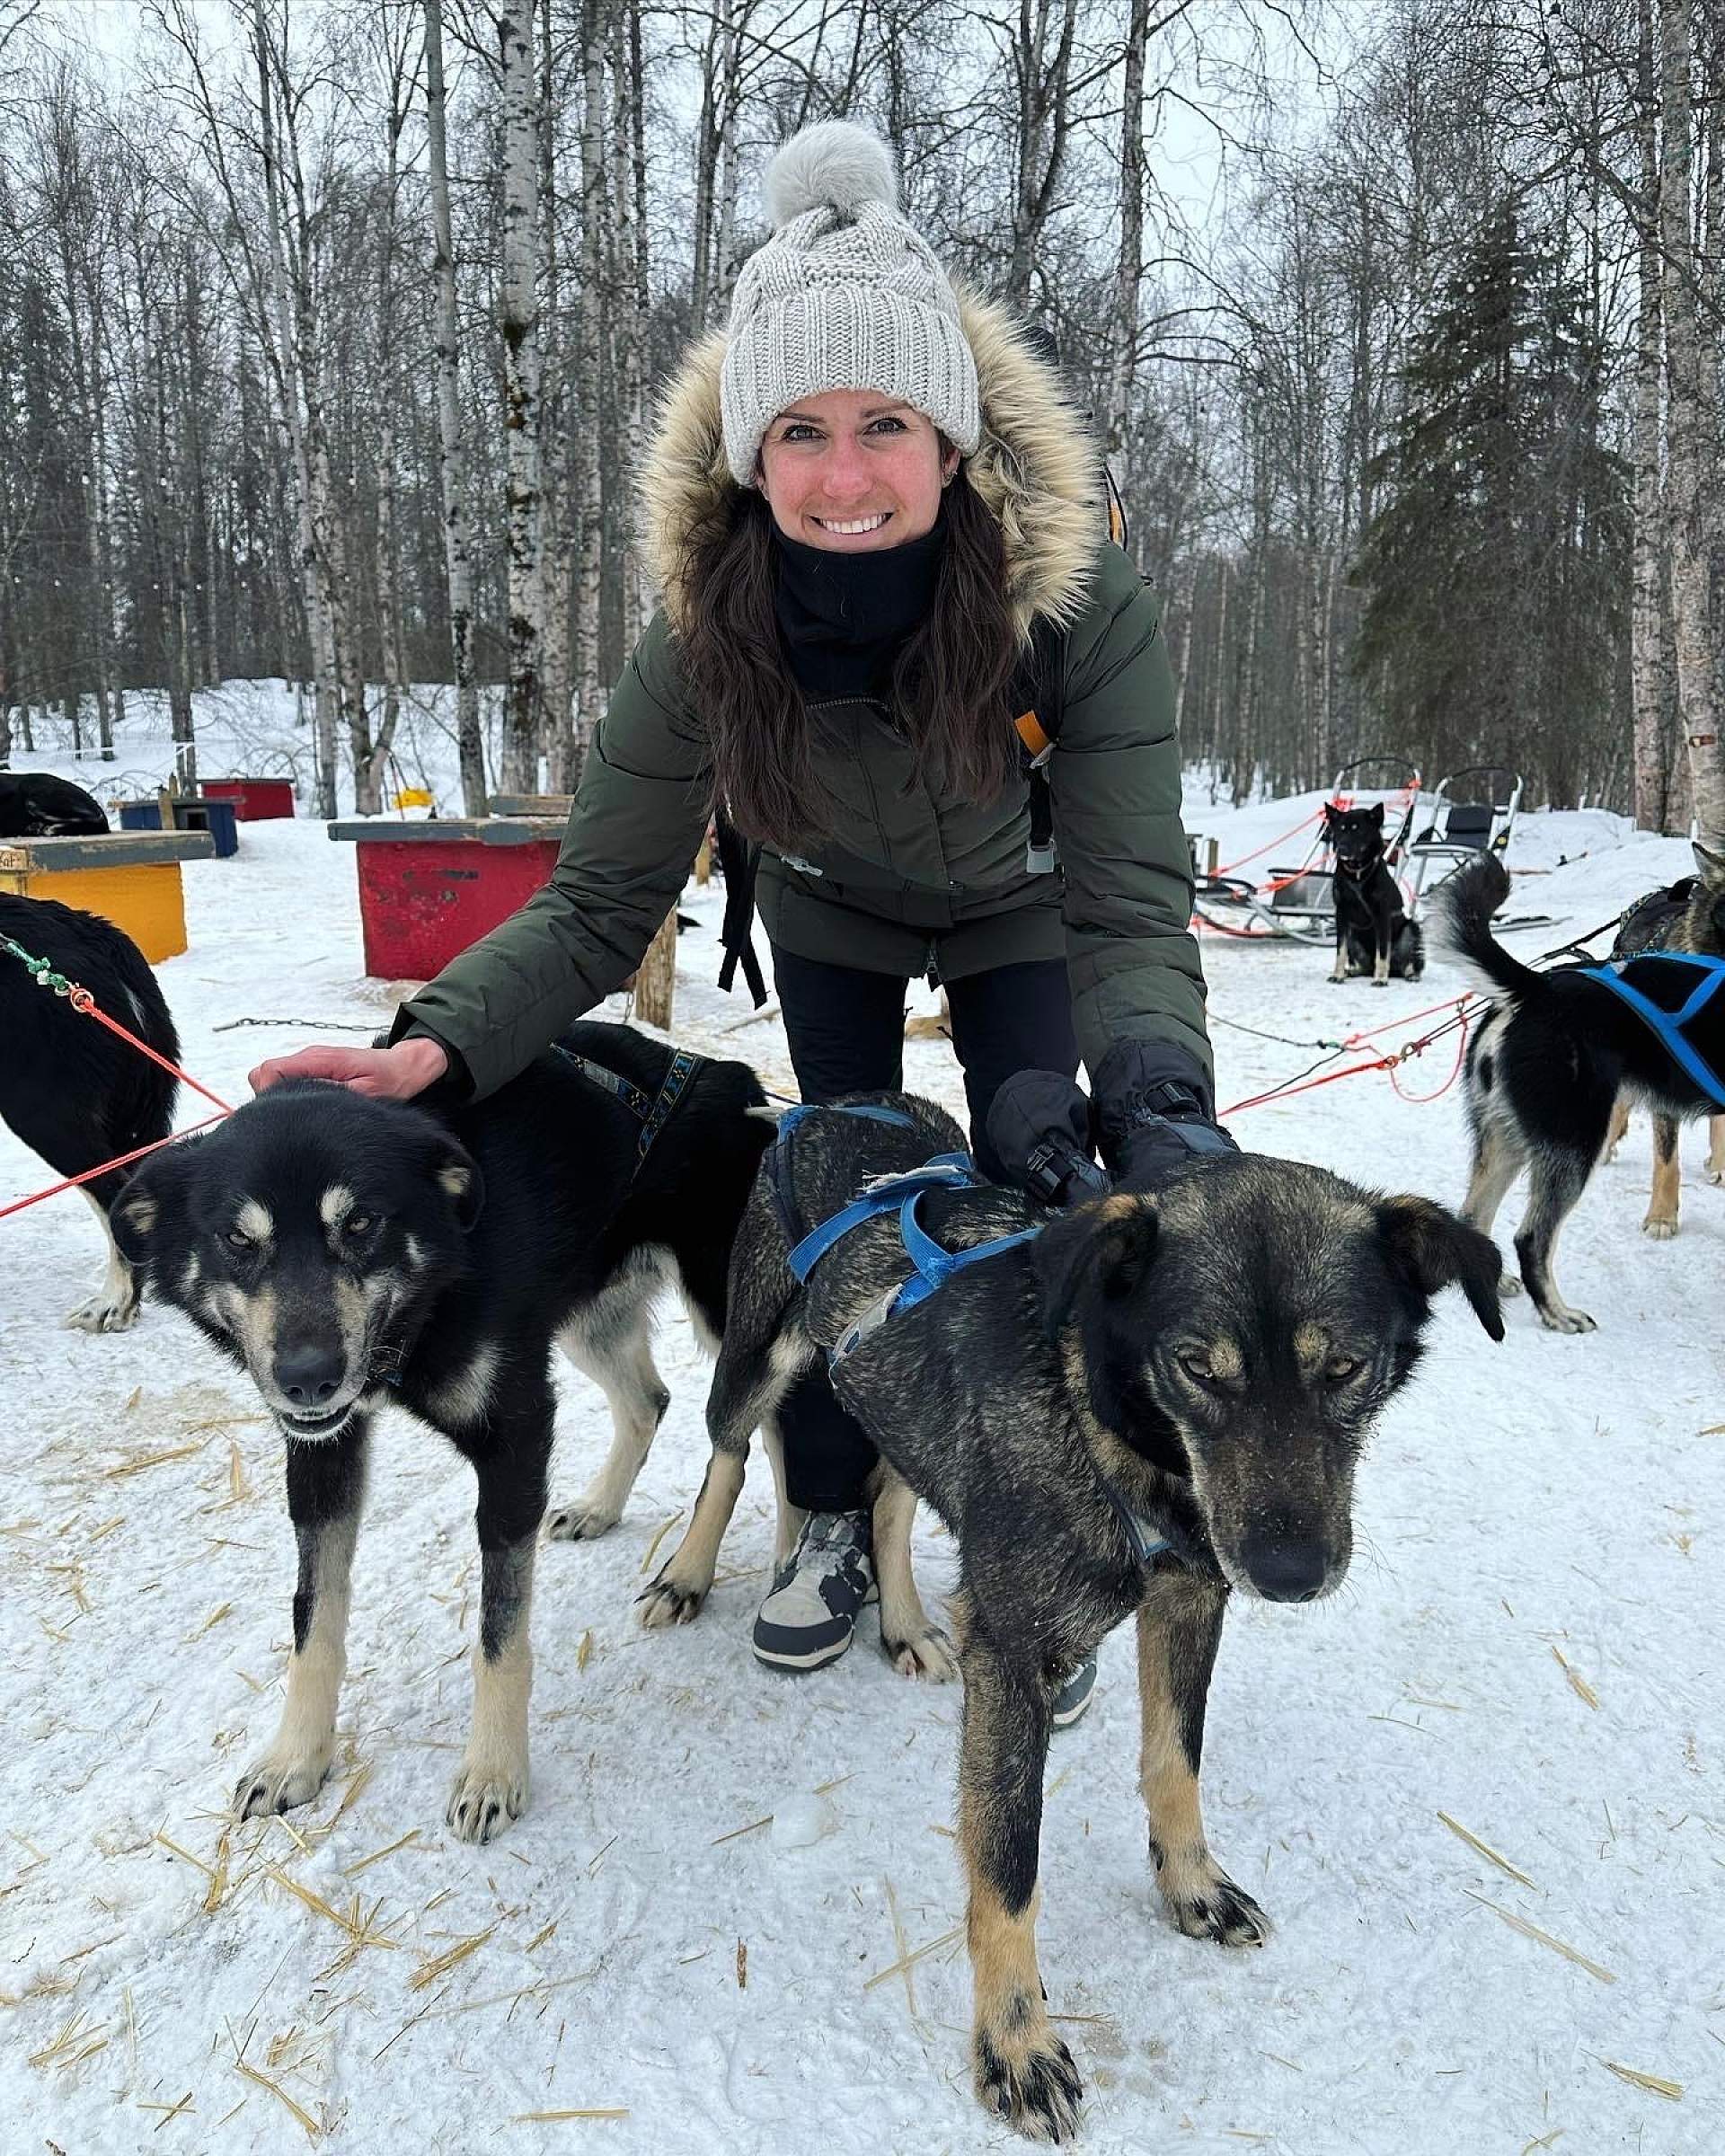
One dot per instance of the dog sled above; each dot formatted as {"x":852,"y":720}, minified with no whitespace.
{"x":1428,"y":834}
{"x":1470,"y":812}
{"x":1300,"y":902}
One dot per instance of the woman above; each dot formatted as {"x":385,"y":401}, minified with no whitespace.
{"x":873,"y":520}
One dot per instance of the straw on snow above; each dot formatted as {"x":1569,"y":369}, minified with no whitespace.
{"x":1485,"y":1850}
{"x":429,"y":1971}
{"x":1659,"y":2086}
{"x":1578,"y":1683}
{"x":1545,"y":1939}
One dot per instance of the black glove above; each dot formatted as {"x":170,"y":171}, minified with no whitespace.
{"x":1039,"y":1126}
{"x":1155,"y":1113}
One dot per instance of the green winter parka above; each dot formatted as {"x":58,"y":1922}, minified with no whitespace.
{"x":910,"y":879}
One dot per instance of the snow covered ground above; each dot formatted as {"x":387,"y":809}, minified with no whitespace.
{"x":728,"y":1922}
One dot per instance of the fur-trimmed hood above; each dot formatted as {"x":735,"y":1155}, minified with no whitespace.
{"x":1037,"y":471}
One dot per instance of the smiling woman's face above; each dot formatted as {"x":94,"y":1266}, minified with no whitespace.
{"x":853,"y":470}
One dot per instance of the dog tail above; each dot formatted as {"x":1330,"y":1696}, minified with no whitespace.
{"x":1465,"y":904}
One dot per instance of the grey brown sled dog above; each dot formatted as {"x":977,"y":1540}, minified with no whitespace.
{"x":346,"y":1253}
{"x":1155,"y":1401}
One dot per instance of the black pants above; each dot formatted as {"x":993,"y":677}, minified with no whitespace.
{"x":847,"y":1030}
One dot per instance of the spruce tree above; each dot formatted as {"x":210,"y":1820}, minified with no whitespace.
{"x":1496,"y":570}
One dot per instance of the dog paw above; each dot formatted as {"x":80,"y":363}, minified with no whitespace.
{"x":1213,"y":1908}
{"x":487,"y":1795}
{"x":1509,"y":1285}
{"x":582,"y":1521}
{"x":104,"y":1313}
{"x":1715,"y":1172}
{"x":279,"y":1785}
{"x":1029,"y":2082}
{"x":1560,"y":1318}
{"x":669,"y":1602}
{"x":1660,"y":1226}
{"x":925,"y":1653}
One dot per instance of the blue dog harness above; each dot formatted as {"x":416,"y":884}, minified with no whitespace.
{"x":931,"y":1265}
{"x":1669,"y":1024}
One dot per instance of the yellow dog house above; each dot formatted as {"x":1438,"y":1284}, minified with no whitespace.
{"x":130,"y":878}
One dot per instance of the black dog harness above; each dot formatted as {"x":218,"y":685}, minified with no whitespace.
{"x":651,"y":1110}
{"x":1669,"y":1024}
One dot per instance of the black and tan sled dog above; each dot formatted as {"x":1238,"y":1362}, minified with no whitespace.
{"x":347,"y":1253}
{"x":1552,"y":1059}
{"x":1155,"y":1401}
{"x":1374,"y":933}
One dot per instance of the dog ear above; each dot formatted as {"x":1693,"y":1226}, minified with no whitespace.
{"x":1330,"y":813}
{"x":1708,"y":866}
{"x":457,"y":1176}
{"x":1103,"y":1248}
{"x":1432,"y":1249}
{"x":1377,"y":814}
{"x":154,"y":1186}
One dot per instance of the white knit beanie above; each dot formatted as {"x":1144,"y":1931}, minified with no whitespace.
{"x":845,"y":294}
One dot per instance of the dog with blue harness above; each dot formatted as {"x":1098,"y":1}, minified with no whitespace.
{"x":1128,"y":1408}
{"x":1688,"y":915}
{"x":1558,"y":1051}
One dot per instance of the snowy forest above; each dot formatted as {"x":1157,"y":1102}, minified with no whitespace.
{"x":330,"y":333}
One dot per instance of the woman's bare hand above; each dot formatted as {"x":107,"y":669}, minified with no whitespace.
{"x":395,"y":1074}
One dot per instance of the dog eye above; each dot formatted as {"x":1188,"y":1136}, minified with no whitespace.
{"x":1339,"y":1368}
{"x":236,"y":1239}
{"x":356,"y":1225}
{"x":1198,"y":1368}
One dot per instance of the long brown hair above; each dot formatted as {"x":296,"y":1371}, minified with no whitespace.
{"x":948,"y":682}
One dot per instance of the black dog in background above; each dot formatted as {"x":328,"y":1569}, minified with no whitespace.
{"x":1373,"y":932}
{"x":71,"y":1090}
{"x":35,"y":804}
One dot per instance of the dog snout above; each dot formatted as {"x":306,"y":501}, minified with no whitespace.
{"x":309,"y":1376}
{"x":1286,"y":1560}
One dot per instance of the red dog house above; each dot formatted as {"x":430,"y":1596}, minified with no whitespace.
{"x":427,"y":891}
{"x":255,"y":800}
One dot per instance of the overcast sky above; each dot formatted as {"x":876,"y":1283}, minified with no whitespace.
{"x":1189,"y":159}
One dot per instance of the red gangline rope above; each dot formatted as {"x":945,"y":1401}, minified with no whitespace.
{"x":86,"y":1007}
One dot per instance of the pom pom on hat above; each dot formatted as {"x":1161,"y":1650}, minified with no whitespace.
{"x":833,"y":165}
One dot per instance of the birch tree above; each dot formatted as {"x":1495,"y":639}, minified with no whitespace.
{"x":564,"y":407}
{"x":590,"y":377}
{"x":518,"y":323}
{"x":1691,"y":455}
{"x":452,"y":462}
{"x":1650,"y":644}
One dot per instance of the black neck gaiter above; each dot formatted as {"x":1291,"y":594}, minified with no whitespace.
{"x":845,"y":616}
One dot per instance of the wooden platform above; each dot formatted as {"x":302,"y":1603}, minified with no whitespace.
{"x":130,"y":878}
{"x":533,"y":804}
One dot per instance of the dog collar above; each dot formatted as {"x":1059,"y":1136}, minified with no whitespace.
{"x":1147,"y":1540}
